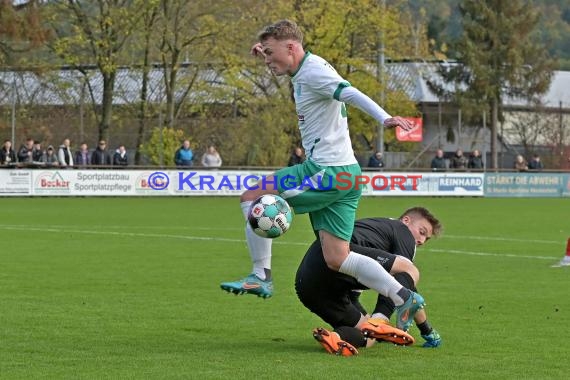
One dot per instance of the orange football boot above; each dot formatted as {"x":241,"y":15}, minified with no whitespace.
{"x":332,"y":343}
{"x":382,"y":330}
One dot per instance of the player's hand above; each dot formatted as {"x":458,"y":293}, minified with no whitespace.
{"x":257,"y":50}
{"x":398,"y":121}
{"x":433,"y":339}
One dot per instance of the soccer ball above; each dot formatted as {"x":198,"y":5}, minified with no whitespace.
{"x":270,"y":216}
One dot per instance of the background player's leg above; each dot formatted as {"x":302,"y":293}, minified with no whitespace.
{"x":351,"y":335}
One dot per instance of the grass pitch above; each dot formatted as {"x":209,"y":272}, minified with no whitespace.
{"x":94,"y":288}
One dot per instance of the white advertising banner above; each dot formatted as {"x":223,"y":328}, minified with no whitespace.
{"x":83,"y":182}
{"x":75,"y":182}
{"x":214,"y":182}
{"x":15,"y":182}
{"x":423,"y":184}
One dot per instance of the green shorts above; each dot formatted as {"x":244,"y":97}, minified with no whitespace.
{"x":327,"y":193}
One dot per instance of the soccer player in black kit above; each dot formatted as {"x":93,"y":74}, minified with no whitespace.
{"x":333,"y":296}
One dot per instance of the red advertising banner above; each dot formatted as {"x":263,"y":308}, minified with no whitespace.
{"x":414,"y":134}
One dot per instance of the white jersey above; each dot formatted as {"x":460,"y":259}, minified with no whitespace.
{"x":322,"y":117}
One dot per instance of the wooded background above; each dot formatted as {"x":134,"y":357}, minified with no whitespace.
{"x":248,"y":114}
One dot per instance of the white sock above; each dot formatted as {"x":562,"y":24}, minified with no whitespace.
{"x":245,"y":208}
{"x":259,"y":248}
{"x":371,"y":274}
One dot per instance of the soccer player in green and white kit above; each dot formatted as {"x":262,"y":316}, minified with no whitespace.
{"x":320,"y":95}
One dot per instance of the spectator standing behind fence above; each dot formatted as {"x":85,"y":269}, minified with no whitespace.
{"x":297,"y":157}
{"x":26,"y":152}
{"x":520,"y":164}
{"x":211,"y":158}
{"x":535,"y":163}
{"x":49,"y":158}
{"x":438,"y":163}
{"x":7,"y":154}
{"x":120,"y":157}
{"x":184,"y":155}
{"x":37,"y":152}
{"x":82,"y":156}
{"x":376,"y":160}
{"x":476,"y":161}
{"x":100,"y":156}
{"x":64,"y":154}
{"x":458,"y":161}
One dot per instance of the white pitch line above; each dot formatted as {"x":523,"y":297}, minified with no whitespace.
{"x":491,"y":254}
{"x":501,"y":239}
{"x":107,"y":226}
{"x":227,"y":240}
{"x":136,"y":234}
{"x":187,"y":228}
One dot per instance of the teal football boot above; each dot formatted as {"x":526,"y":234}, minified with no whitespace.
{"x":249,"y":285}
{"x":406,"y":311}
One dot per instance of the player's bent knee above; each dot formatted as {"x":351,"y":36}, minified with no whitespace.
{"x":333,"y":263}
{"x":415,"y":276}
{"x":401,"y":264}
{"x":334,"y":257}
{"x":414,"y":273}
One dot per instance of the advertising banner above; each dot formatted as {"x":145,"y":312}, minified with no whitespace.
{"x":64,"y":182}
{"x":525,"y":185}
{"x":83,"y":182}
{"x":424,"y":184}
{"x":74,"y":182}
{"x":566,"y":185}
{"x":15,"y":182}
{"x":214,"y":182}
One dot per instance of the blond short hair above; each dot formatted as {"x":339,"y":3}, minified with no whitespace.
{"x":282,"y":30}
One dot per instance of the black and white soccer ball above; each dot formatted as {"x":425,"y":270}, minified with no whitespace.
{"x":270,"y":216}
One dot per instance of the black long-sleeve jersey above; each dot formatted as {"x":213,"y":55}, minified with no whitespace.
{"x":388,"y":235}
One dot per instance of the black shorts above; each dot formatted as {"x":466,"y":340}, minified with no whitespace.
{"x":335,"y":308}
{"x":327,"y":293}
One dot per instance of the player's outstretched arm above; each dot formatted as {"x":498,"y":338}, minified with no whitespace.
{"x":356,"y":98}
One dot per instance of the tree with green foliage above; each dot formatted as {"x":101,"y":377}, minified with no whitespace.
{"x":498,"y":59}
{"x":333,"y":29}
{"x":145,"y":36}
{"x":202,"y":38}
{"x":444,"y":27}
{"x":335,"y":32}
{"x":163,"y":144}
{"x":98,"y":34}
{"x":187,"y":31}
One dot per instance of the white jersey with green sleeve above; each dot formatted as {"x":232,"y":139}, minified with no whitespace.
{"x":322,"y":116}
